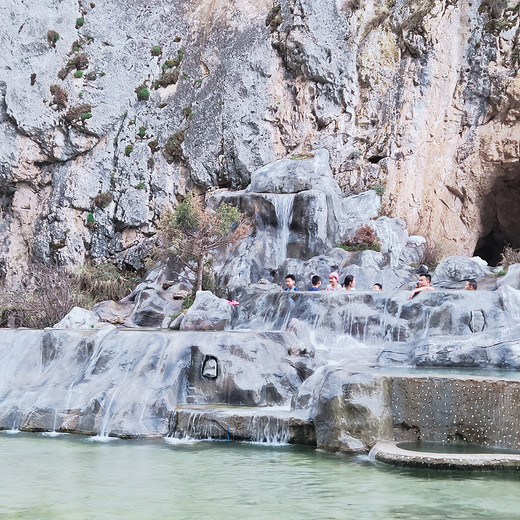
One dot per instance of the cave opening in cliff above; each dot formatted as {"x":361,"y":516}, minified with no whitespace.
{"x":500,"y":217}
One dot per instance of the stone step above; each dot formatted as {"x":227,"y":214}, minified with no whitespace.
{"x":265,"y":424}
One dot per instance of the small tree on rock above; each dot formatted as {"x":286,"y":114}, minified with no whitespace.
{"x":193,"y":233}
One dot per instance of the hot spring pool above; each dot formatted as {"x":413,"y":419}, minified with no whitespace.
{"x":73,"y":477}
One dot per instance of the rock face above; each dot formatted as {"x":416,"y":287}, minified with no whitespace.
{"x":109,"y":115}
{"x":351,"y":411}
{"x":428,"y":330}
{"x":298,"y":212}
{"x":129,"y":383}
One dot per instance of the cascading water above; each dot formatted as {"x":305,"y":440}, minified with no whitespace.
{"x":371,"y":457}
{"x":283,"y":206}
{"x":266,"y":425}
{"x":269,"y":430}
{"x":107,"y":418}
{"x":91,"y":382}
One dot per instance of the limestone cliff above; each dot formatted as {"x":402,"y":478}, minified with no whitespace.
{"x":110,"y":111}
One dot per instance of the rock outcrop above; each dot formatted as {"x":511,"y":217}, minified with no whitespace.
{"x":109,"y":115}
{"x":128,"y":383}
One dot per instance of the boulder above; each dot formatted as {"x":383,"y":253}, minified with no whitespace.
{"x":455,"y":269}
{"x":208,"y":312}
{"x":350,"y":410}
{"x":113,"y":312}
{"x":512,"y":277}
{"x":78,"y":318}
{"x":306,"y":172}
{"x":148,"y":311}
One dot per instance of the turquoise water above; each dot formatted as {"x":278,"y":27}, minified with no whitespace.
{"x":72,"y":477}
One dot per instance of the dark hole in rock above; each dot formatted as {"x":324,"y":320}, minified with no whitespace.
{"x":210,"y":367}
{"x":43,"y":164}
{"x":375,"y":158}
{"x":500,"y":216}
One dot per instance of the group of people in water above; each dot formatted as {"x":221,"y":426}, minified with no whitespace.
{"x":423,"y":284}
{"x":334,"y":285}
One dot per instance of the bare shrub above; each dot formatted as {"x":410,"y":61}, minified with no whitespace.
{"x":509,"y":256}
{"x":78,"y":62}
{"x":52,"y":37}
{"x":274,"y":18}
{"x":76,"y":114}
{"x":365,"y":235}
{"x":47,"y":295}
{"x":364,"y":238}
{"x":353,"y":5}
{"x":59,"y":96}
{"x":102,"y":200}
{"x":104,"y":282}
{"x":173,"y":146}
{"x":168,"y":78}
{"x":432,"y":254}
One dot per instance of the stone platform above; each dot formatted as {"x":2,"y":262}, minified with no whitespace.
{"x":389,"y":452}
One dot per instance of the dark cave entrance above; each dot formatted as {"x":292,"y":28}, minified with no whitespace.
{"x":500,"y":217}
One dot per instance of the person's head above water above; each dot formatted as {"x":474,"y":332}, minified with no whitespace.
{"x":290,"y":281}
{"x":349,"y":281}
{"x":333,"y":276}
{"x":316,"y":281}
{"x":471,"y":285}
{"x":424,"y":280}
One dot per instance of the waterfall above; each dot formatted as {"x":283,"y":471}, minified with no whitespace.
{"x":269,"y":430}
{"x":371,"y":457}
{"x":13,"y":430}
{"x":266,"y":425}
{"x":104,"y":431}
{"x":283,"y":207}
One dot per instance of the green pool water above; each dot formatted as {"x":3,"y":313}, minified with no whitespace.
{"x":72,"y":477}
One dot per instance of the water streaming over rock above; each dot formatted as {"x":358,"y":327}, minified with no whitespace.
{"x":283,"y":207}
{"x":262,"y":424}
{"x":128,"y":383}
{"x":132,"y":383}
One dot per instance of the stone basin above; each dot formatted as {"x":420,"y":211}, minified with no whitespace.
{"x":395,"y":453}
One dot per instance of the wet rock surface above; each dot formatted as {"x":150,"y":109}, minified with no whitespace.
{"x":323,"y":357}
{"x":128,"y":383}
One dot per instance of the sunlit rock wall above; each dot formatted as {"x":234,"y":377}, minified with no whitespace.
{"x":418,"y":96}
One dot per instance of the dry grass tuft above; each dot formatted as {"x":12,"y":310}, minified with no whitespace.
{"x":509,"y":256}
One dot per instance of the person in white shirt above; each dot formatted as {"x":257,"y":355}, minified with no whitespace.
{"x":334,"y":284}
